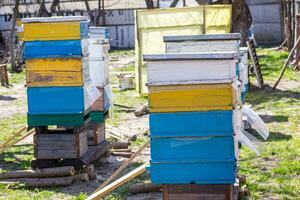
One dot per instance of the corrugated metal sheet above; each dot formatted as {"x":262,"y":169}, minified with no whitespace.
{"x":266,"y":17}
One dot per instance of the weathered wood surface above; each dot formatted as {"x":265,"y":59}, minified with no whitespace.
{"x":55,"y":19}
{"x":57,"y":146}
{"x":101,"y":103}
{"x":174,"y":72}
{"x":192,"y":97}
{"x":93,"y":153}
{"x":203,"y":37}
{"x":56,"y":78}
{"x":57,"y":72}
{"x":196,"y":192}
{"x":95,"y":133}
{"x":56,"y":64}
{"x":202,"y":46}
{"x":229,"y":55}
{"x":42,"y":182}
{"x":40,"y":173}
{"x":144,"y":188}
{"x":73,"y":30}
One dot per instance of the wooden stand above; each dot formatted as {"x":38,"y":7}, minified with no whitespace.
{"x":196,"y":192}
{"x":60,"y":144}
{"x":95,"y":133}
{"x":93,"y":153}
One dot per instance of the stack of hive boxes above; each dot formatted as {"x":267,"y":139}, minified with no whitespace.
{"x":99,"y":74}
{"x":192,"y":117}
{"x":59,"y":89}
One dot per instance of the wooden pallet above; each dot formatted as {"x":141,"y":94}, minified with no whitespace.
{"x":255,"y":62}
{"x":196,"y":192}
{"x":93,"y":153}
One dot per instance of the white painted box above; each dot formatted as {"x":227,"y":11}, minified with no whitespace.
{"x":203,"y":43}
{"x":98,"y":48}
{"x":168,"y":69}
{"x":99,"y":71}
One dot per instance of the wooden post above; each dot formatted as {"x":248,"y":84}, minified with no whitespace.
{"x":286,"y":63}
{"x":4,"y":75}
{"x":12,"y":36}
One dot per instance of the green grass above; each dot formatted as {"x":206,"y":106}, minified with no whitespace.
{"x":275,"y":174}
{"x":121,"y":52}
{"x":272,"y":61}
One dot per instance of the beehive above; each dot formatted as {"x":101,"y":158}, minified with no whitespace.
{"x":192,"y":118}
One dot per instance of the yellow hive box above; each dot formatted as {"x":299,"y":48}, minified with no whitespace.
{"x":184,"y":98}
{"x":52,"y":31}
{"x":56,"y":72}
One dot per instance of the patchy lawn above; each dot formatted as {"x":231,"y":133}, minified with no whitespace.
{"x":273,"y":175}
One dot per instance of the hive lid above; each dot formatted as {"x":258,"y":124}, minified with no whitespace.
{"x":203,"y":37}
{"x":55,"y":19}
{"x":192,"y":56}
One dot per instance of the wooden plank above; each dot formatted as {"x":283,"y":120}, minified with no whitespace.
{"x":56,"y":154}
{"x":54,"y":64}
{"x":56,"y":119}
{"x":55,"y":100}
{"x":54,"y":78}
{"x":52,"y":31}
{"x":202,"y":46}
{"x":68,"y":146}
{"x":95,"y":133}
{"x":122,"y":167}
{"x":197,"y":172}
{"x":173,"y":71}
{"x":192,"y":98}
{"x":124,"y":179}
{"x":56,"y":49}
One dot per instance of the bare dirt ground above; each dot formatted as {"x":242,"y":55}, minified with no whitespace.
{"x":12,"y":100}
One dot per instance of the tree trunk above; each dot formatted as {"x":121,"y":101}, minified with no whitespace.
{"x":149,"y":4}
{"x":43,"y":12}
{"x":241,"y":19}
{"x":53,"y":6}
{"x":14,"y":67}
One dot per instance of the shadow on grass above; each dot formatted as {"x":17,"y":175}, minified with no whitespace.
{"x":16,"y":157}
{"x":267,"y":94}
{"x":7,"y":98}
{"x":277,"y":136}
{"x":274,"y":118}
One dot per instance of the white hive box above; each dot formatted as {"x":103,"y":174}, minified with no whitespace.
{"x":203,"y":43}
{"x":98,"y":61}
{"x":168,"y":69}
